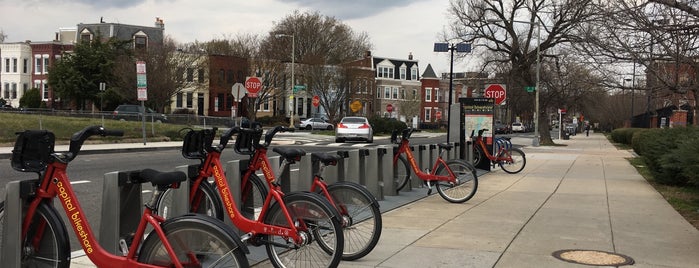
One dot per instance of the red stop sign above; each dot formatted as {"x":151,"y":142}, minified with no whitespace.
{"x":253,"y":85}
{"x":389,"y":108}
{"x":495,"y":91}
{"x":316,"y":101}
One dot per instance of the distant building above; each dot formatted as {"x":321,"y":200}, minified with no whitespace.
{"x":16,"y":71}
{"x":142,"y":36}
{"x":44,"y":55}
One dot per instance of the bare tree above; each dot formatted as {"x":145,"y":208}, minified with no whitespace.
{"x":510,"y":30}
{"x":661,"y":37}
{"x":3,"y":36}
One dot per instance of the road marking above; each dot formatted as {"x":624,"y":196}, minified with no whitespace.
{"x":79,"y":182}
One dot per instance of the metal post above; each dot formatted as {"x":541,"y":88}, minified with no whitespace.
{"x":451,"y":87}
{"x":234,"y":174}
{"x":536,"y":140}
{"x":11,"y":255}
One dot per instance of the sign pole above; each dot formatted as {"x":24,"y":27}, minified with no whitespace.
{"x":142,"y":92}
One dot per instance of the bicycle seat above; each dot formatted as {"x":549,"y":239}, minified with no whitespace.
{"x":325,"y":158}
{"x":160,"y":178}
{"x":290,"y":154}
{"x":445,"y":146}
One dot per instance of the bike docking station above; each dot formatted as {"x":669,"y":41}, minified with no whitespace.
{"x":122,"y":207}
{"x":15,"y":191}
{"x":476,"y":114}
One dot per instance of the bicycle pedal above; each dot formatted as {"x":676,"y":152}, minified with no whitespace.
{"x":123,"y":247}
{"x":429,"y":191}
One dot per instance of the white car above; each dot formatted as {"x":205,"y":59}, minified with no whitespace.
{"x":354,"y":128}
{"x":315,"y":123}
{"x":517,"y":127}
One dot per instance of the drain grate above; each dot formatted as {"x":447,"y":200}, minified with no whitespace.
{"x":593,"y":257}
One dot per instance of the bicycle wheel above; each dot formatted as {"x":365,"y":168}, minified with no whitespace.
{"x":401,"y":173}
{"x":466,"y":181}
{"x":198,"y":241}
{"x":46,"y":244}
{"x":477,"y":155}
{"x":253,"y":195}
{"x":516,"y":164}
{"x":206,"y":201}
{"x":361,"y":218}
{"x":319,"y":225}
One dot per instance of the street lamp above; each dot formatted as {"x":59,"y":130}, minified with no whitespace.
{"x":293,"y":54}
{"x":444,"y":47}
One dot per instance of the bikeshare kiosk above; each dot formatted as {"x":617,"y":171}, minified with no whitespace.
{"x":476,"y":114}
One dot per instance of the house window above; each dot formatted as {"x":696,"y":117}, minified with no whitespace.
{"x":385,"y":72}
{"x":437,"y":97}
{"x":25,"y":66}
{"x":7,"y":91}
{"x":378,"y":92}
{"x":190,"y":99}
{"x":428,"y":94}
{"x":413,"y":73}
{"x":190,"y":74}
{"x":265,"y":105}
{"x":395,"y":93}
{"x":45,"y":91}
{"x":402,"y":73}
{"x":178,"y":100}
{"x":387,"y":93}
{"x":220,"y":102}
{"x":200,"y":75}
{"x":415,"y":96}
{"x":46,"y":63}
{"x":221,"y":76}
{"x":37,"y":67}
{"x":230,"y":77}
{"x":14,"y":65}
{"x":402,"y":93}
{"x":7,"y":65}
{"x":428,"y":115}
{"x":14,"y":91}
{"x":85,"y":37}
{"x":140,"y":42}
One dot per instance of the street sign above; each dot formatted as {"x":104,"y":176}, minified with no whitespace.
{"x":238,"y":91}
{"x":389,"y":108}
{"x":141,"y":84}
{"x":299,"y":87}
{"x":530,"y":89}
{"x":497,"y":92}
{"x":316,"y":101}
{"x":438,"y":115}
{"x":253,"y":85}
{"x":562,"y":111}
{"x":355,"y":106}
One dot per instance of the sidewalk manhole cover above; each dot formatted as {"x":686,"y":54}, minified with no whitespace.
{"x":593,"y":257}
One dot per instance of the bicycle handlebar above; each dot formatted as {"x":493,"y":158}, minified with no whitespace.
{"x":226,"y":136}
{"x":78,"y":138}
{"x":405,"y":135}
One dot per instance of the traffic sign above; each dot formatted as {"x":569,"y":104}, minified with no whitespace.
{"x":299,"y":87}
{"x":389,"y":108}
{"x":238,"y":91}
{"x":530,"y":89}
{"x":253,"y":85}
{"x":316,"y":101}
{"x":355,"y":106}
{"x":497,"y":92}
{"x":438,"y":115}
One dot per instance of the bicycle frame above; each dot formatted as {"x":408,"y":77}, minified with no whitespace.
{"x":493,"y":158}
{"x":212,"y":167}
{"x":55,"y":183}
{"x":404,"y":148}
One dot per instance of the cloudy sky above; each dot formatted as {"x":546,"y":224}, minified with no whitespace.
{"x":396,"y":27}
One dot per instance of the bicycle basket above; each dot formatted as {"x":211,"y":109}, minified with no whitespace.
{"x":246,"y":140}
{"x":32,"y":150}
{"x":197,"y":143}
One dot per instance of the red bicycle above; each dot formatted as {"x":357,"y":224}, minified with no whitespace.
{"x":456,"y":180}
{"x":361,"y":217}
{"x":184,"y":241}
{"x":511,"y":160}
{"x":297,"y":229}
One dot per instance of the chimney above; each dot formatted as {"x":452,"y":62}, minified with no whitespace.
{"x":159,"y":23}
{"x":410,"y":56}
{"x":367,"y":54}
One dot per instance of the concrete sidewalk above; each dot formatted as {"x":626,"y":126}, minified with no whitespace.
{"x":583,"y":196}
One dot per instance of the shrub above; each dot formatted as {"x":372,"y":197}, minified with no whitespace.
{"x":671,"y":154}
{"x":624,"y":135}
{"x":382,"y":125}
{"x":273,"y":120}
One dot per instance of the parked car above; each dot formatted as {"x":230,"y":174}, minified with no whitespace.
{"x":315,"y":123}
{"x":134,"y":112}
{"x":518,"y":127}
{"x":354,"y":128}
{"x":501,"y":128}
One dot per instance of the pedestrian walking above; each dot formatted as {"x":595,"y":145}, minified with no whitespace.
{"x":587,"y":130}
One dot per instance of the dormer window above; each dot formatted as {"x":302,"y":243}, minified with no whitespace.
{"x":403,"y":72}
{"x":85,"y":36}
{"x":140,"y":41}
